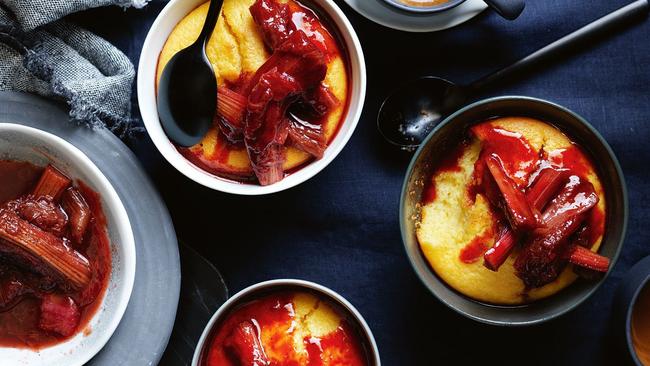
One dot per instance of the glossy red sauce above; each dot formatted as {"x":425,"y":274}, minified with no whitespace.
{"x":476,"y":248}
{"x":19,"y":325}
{"x":519,"y":159}
{"x":276,"y":319}
{"x":573,"y":159}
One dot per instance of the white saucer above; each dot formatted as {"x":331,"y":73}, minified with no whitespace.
{"x":384,"y":14}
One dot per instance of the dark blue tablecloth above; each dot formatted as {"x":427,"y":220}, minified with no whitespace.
{"x":341,"y":228}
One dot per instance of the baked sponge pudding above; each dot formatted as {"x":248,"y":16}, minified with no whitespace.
{"x":261,"y":48}
{"x":285,"y":329}
{"x":513,"y":214}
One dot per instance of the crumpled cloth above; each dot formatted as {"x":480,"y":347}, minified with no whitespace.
{"x":42,"y":54}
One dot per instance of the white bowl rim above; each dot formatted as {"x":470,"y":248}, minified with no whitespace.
{"x":146,"y":81}
{"x":334,"y":296}
{"x":122,"y":224}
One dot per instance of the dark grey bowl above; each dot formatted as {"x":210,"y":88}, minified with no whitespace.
{"x":634,"y":281}
{"x":445,"y":137}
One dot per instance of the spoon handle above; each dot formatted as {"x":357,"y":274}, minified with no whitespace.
{"x":210,"y":21}
{"x":566,"y":43}
{"x":508,"y":9}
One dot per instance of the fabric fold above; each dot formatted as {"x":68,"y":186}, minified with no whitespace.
{"x":58,"y":59}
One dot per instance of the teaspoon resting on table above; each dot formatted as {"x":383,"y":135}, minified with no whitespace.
{"x":408,"y":115}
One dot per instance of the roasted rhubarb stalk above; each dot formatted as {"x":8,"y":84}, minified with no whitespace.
{"x":50,"y":251}
{"x":497,"y":255}
{"x":583,"y":257}
{"x":52,"y":183}
{"x":244,"y":346}
{"x":546,"y":185}
{"x":517,"y":209}
{"x":307,"y":137}
{"x":576,"y":197}
{"x":59,"y":314}
{"x":541,"y":261}
{"x":231,"y":110}
{"x":42,"y":212}
{"x":78,"y":212}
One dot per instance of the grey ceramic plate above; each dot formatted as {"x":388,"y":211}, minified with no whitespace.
{"x":144,"y":331}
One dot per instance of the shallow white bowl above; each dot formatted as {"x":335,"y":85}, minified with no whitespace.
{"x":158,"y":34}
{"x":22,"y":143}
{"x":250,"y":293}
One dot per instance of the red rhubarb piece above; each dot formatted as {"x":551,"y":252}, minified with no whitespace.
{"x":307,"y":137}
{"x":244,"y":346}
{"x":42,"y":212}
{"x":78,"y":211}
{"x":542,"y":259}
{"x":497,"y":255}
{"x":546,"y":185}
{"x":43,"y":251}
{"x":52,"y":183}
{"x":231,"y":110}
{"x":576,"y":197}
{"x":519,"y":213}
{"x":583,"y":257}
{"x":297,"y":67}
{"x":59,"y":314}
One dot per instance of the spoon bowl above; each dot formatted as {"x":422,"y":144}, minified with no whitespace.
{"x":409,"y":114}
{"x":187,"y":96}
{"x":187,"y":92}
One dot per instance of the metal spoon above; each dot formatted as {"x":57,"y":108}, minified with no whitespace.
{"x":508,"y":9}
{"x":187,"y":92}
{"x":408,"y":115}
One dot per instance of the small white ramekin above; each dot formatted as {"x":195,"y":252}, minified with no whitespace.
{"x":250,"y":293}
{"x":158,"y":34}
{"x":23,"y":143}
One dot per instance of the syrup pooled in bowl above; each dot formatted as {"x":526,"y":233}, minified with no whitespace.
{"x":55,"y":256}
{"x":286,"y":328}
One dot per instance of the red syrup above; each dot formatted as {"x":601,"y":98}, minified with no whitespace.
{"x":275,"y":317}
{"x":19,"y":325}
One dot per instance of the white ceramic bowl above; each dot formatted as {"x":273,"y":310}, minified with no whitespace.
{"x":22,"y":143}
{"x":249,"y":293}
{"x":158,"y":34}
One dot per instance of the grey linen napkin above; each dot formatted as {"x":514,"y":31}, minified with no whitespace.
{"x":54,"y":58}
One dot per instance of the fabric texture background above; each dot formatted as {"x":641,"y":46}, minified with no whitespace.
{"x":45,"y":55}
{"x":341,"y":228}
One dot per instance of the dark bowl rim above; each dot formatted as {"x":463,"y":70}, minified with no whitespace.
{"x":563,"y":310}
{"x":628,"y":312}
{"x":394,"y":4}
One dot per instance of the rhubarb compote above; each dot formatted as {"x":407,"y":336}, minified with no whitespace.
{"x":514,"y":213}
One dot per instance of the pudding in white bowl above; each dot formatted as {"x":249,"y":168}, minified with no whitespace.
{"x":314,"y":68}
